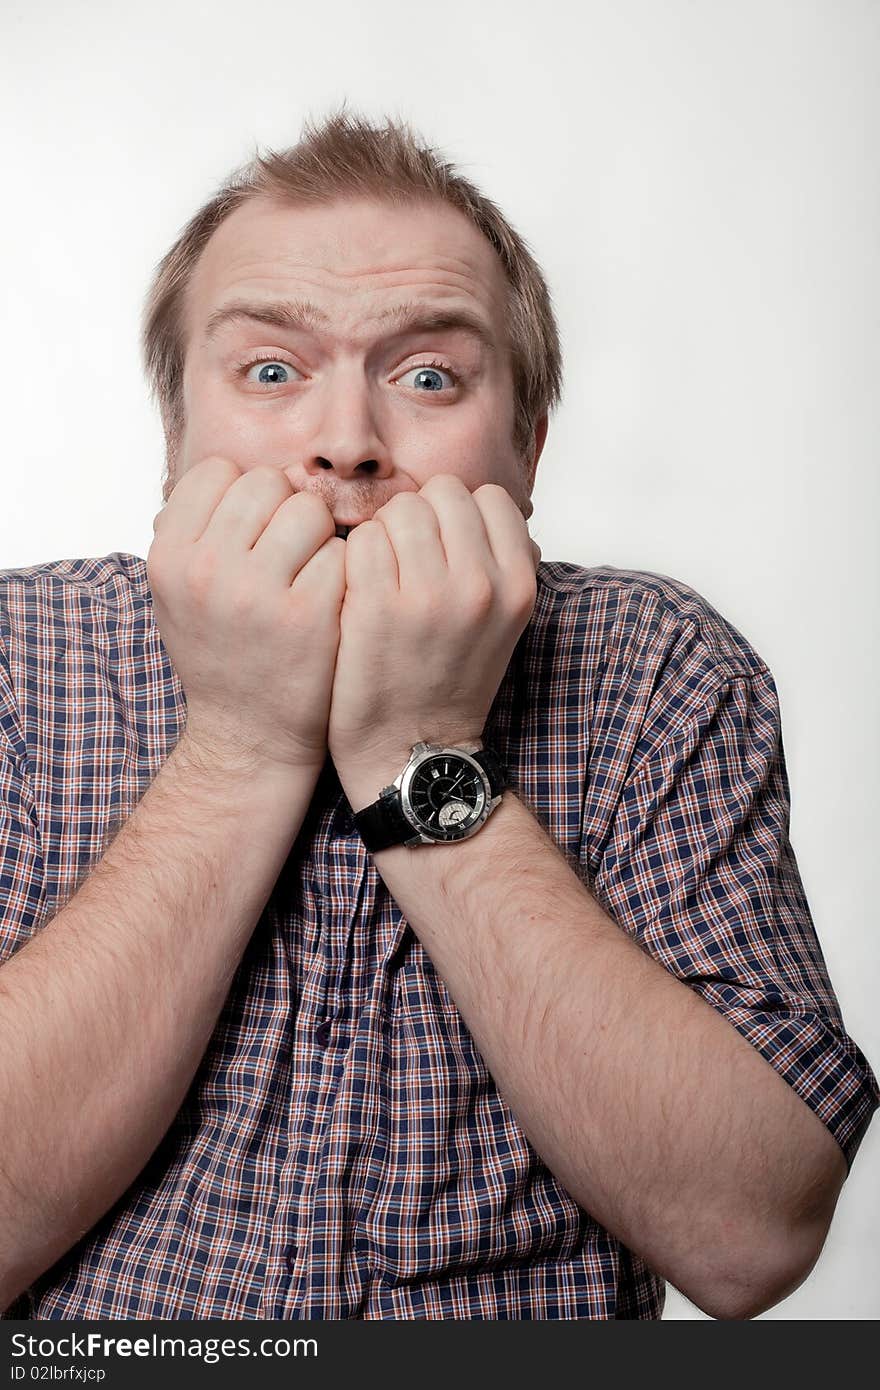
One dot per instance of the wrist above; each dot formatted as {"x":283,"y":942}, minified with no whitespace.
{"x":362,"y":776}
{"x":443,"y":794}
{"x":224,"y":760}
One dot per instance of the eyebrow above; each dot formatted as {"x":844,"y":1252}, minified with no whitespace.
{"x":301,"y":315}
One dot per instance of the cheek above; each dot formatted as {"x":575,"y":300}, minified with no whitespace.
{"x":217,"y":422}
{"x":491,"y":459}
{"x":475,"y":467}
{"x":476,"y":449}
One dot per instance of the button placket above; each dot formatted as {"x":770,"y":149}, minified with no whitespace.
{"x":294,"y":1238}
{"x":350,"y":869}
{"x":329,"y":1003}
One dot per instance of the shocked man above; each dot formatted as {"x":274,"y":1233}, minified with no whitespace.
{"x":395,"y":925}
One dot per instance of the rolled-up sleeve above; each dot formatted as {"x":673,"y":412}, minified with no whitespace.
{"x":700,"y":869}
{"x":21,"y":855}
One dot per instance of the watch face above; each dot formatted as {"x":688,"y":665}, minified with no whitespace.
{"x":446,"y":795}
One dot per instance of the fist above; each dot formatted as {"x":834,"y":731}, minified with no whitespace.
{"x":248,"y":579}
{"x":440,"y":584}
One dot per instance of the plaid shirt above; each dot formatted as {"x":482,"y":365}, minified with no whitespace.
{"x":342,"y":1151}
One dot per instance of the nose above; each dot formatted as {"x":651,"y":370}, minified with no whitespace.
{"x":346,"y":440}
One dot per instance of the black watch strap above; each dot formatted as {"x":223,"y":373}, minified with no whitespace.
{"x":383,"y":823}
{"x":494,"y":769}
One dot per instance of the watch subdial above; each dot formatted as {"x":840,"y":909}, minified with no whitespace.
{"x":453,"y":813}
{"x":446,"y":793}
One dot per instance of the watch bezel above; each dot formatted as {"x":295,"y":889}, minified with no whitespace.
{"x":454,"y":833}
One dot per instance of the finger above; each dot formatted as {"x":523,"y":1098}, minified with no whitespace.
{"x":294,"y":533}
{"x":413,"y":528}
{"x":188,"y":510}
{"x":462,"y":529}
{"x":324,"y":573}
{"x":505,"y":526}
{"x":370,"y":559}
{"x":242,"y":515}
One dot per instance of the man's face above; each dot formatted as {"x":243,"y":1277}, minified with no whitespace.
{"x":350,"y":401}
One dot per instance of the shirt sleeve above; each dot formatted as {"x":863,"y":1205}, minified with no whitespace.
{"x":21,"y":855}
{"x":699,"y":868}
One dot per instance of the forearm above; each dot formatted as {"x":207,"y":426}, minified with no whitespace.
{"x":106,"y":1012}
{"x":655,"y":1115}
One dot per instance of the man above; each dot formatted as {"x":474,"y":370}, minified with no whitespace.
{"x":302,"y":1019}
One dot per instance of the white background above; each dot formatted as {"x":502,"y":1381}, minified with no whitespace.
{"x":699,"y":182}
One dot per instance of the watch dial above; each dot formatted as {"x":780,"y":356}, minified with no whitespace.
{"x":446,"y":795}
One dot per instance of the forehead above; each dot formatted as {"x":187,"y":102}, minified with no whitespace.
{"x":347,"y":253}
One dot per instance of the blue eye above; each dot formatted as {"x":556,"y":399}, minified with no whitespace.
{"x":271,"y":373}
{"x":428,"y":376}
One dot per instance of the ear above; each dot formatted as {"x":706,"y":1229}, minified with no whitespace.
{"x":539,"y":437}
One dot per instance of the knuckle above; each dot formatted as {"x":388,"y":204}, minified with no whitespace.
{"x":327,"y":567}
{"x":155,"y":565}
{"x":328,"y":555}
{"x":208,"y":475}
{"x":401,"y":502}
{"x":217,"y":466}
{"x":429,"y":608}
{"x":202,"y":572}
{"x":219,"y":461}
{"x":311,"y":510}
{"x":445,"y":481}
{"x":268,"y":479}
{"x":243,"y":603}
{"x":479,"y":594}
{"x":366,"y":531}
{"x":523,"y":596}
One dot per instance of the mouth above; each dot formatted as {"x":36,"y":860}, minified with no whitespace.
{"x":345,"y":528}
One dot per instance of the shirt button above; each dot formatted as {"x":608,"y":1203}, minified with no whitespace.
{"x":323,"y":1031}
{"x":290,"y":1258}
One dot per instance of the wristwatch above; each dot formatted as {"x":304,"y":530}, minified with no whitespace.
{"x":443,"y":794}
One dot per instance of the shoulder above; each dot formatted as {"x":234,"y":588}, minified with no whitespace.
{"x":99,"y":608}
{"x":46,"y":593}
{"x":117,"y":572}
{"x":622,"y":612}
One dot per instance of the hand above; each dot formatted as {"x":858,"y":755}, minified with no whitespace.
{"x":440,"y":585}
{"x":248,"y":579}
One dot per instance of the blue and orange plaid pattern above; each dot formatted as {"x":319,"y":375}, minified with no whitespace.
{"x":342,"y":1151}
